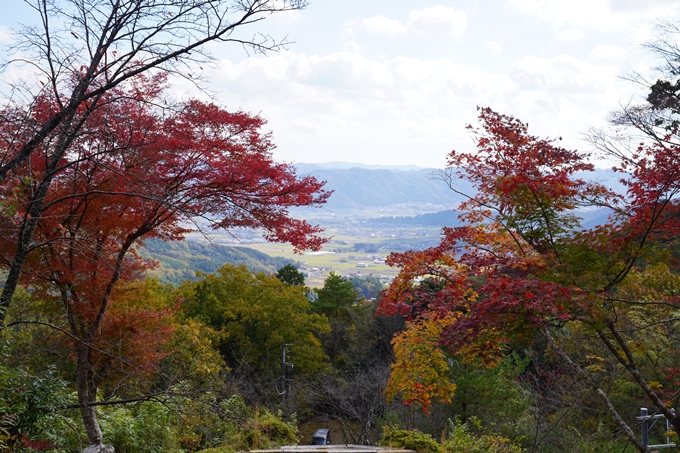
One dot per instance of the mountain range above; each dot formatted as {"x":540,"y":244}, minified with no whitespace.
{"x":358,"y":186}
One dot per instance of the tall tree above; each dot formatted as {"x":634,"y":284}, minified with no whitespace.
{"x":522,"y":266}
{"x":335,"y":297}
{"x":656,"y":113}
{"x":133,"y":172}
{"x":291,"y":275}
{"x":351,"y":392}
{"x":80,"y":52}
{"x":256,"y":314}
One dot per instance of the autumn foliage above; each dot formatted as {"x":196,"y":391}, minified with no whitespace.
{"x":522,"y":266}
{"x":138,"y":169}
{"x":137,"y":172}
{"x":517,"y":227}
{"x":420,"y":373}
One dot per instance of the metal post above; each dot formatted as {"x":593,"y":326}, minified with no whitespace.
{"x":285,"y":369}
{"x":647,"y":422}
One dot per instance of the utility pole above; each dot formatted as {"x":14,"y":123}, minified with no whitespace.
{"x":286,"y":369}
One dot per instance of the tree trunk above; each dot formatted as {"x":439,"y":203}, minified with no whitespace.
{"x":87,"y":394}
{"x":35,"y":211}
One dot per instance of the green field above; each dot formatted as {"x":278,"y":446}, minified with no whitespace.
{"x":338,"y":254}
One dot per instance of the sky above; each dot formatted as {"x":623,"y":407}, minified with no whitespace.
{"x":395,"y":82}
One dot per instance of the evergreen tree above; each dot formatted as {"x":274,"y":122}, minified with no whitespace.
{"x":291,"y":275}
{"x":337,"y":295}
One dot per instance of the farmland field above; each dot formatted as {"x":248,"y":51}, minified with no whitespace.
{"x":354,"y":250}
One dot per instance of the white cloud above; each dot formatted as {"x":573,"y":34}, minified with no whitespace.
{"x":563,"y":74}
{"x":604,"y":51}
{"x":597,"y":14}
{"x":438,"y":18}
{"x":570,"y":35}
{"x":644,"y":71}
{"x":592,"y":13}
{"x":384,"y":26}
{"x":382,"y":111}
{"x":350,"y":27}
{"x":494,"y":45}
{"x":638,"y":5}
{"x":643,"y":34}
{"x":305,"y":126}
{"x":6,"y":35}
{"x":351,"y":46}
{"x":293,"y":17}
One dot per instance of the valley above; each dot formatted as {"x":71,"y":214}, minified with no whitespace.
{"x":358,"y":246}
{"x":366,"y":220}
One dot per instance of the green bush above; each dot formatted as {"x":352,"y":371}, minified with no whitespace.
{"x":462,"y":440}
{"x":28,"y":404}
{"x":147,"y":427}
{"x":267,"y":430}
{"x":144,"y":427}
{"x":210,"y":422}
{"x":412,"y":440}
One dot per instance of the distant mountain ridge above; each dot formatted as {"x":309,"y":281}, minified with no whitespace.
{"x":366,"y":188}
{"x":588,"y":219}
{"x":358,"y":186}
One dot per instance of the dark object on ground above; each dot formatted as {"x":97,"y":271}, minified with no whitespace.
{"x":321,"y":437}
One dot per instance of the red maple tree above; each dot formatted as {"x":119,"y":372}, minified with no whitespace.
{"x":138,"y":171}
{"x":522,"y":265}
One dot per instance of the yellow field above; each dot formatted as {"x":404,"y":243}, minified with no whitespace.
{"x":319,"y":266}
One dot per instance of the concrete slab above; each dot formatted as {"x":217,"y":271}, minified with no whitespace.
{"x":333,"y":449}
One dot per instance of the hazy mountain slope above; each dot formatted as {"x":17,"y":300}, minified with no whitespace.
{"x":435,"y":219}
{"x":361,"y":187}
{"x":589,"y":219}
{"x":368,"y":186}
{"x":593,"y":218}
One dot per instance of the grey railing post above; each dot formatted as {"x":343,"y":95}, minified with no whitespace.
{"x":644,"y":426}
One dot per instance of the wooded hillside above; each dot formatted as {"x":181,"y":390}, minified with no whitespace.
{"x":180,"y":260}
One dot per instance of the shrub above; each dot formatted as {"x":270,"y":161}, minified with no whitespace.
{"x":267,"y":430}
{"x":461,"y":439}
{"x":28,"y":404}
{"x":412,"y":440}
{"x":223,"y":449}
{"x":146,"y":427}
